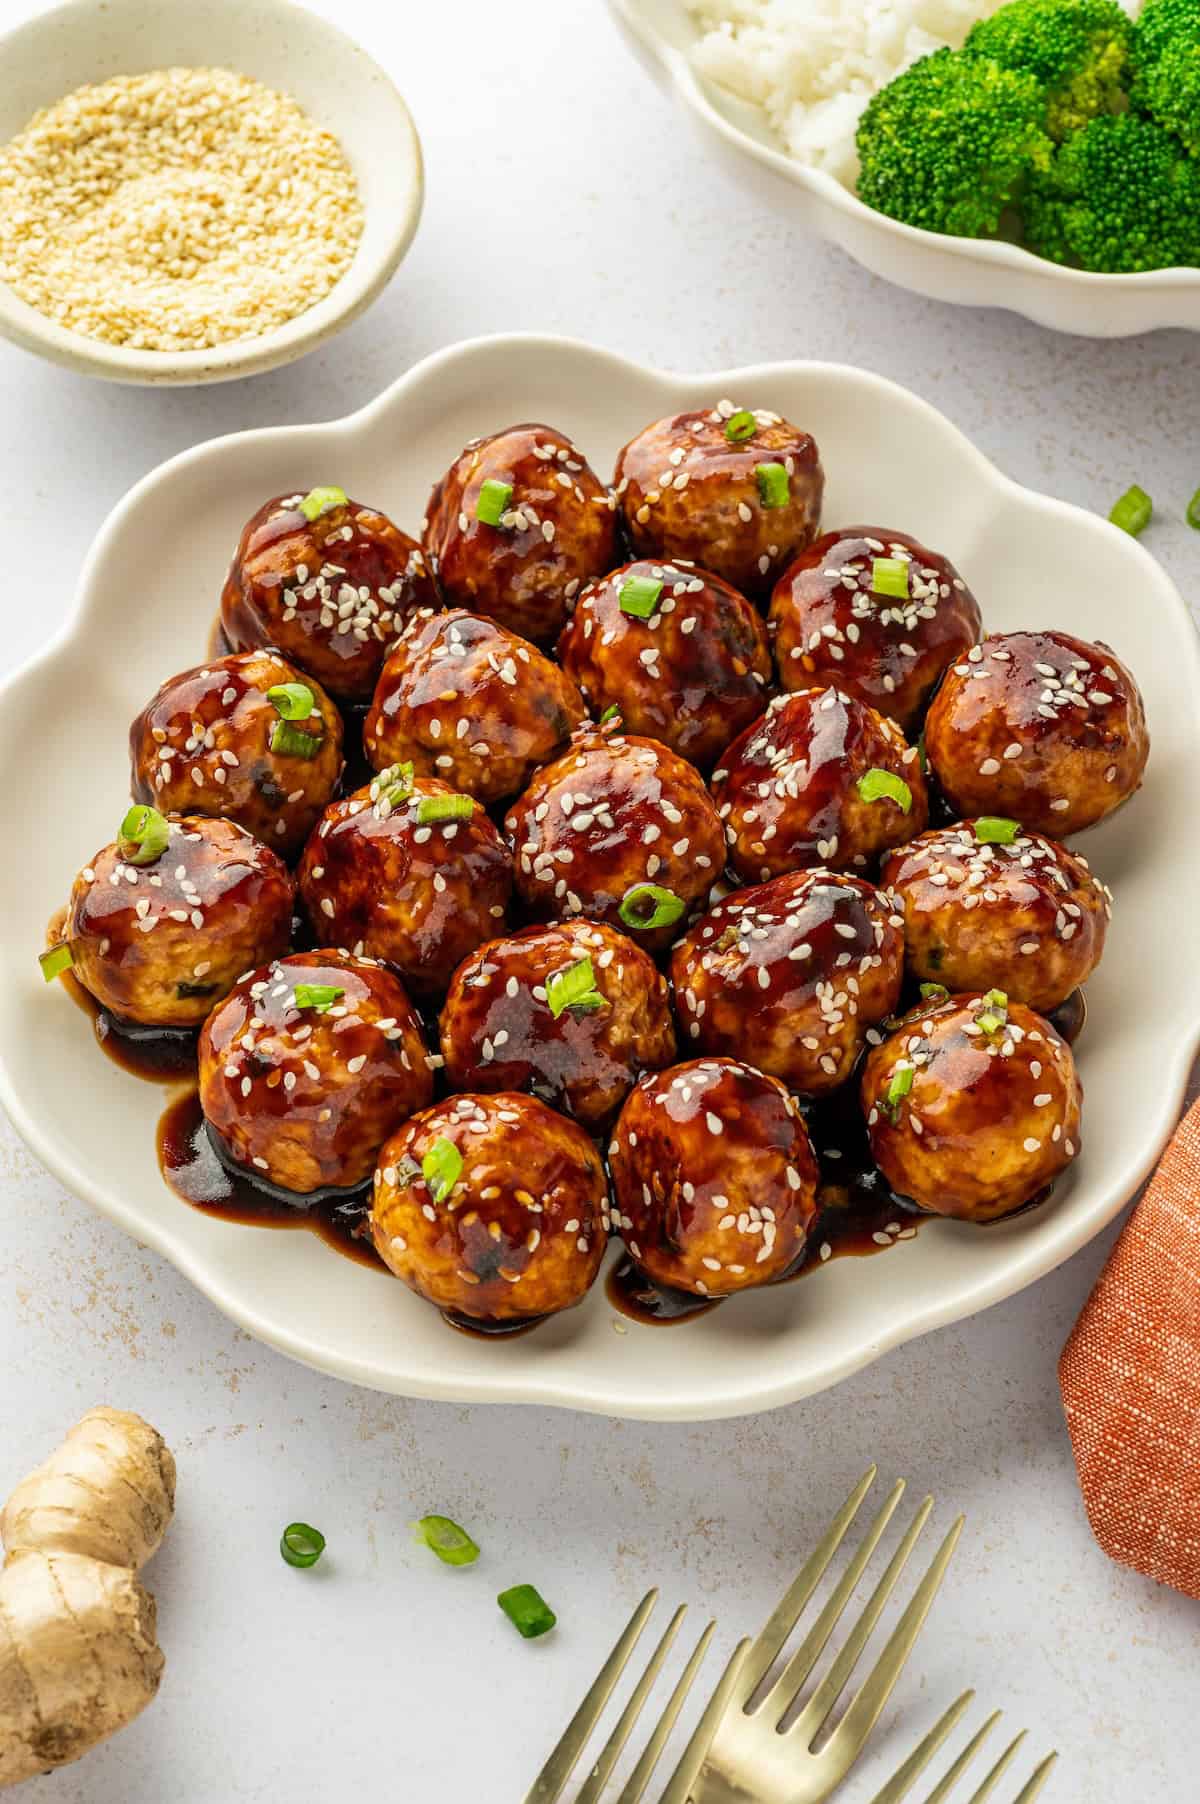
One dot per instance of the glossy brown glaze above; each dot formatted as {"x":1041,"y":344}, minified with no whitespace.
{"x":714,"y":1179}
{"x":329,"y":593}
{"x":305,"y":1096}
{"x":658,"y":1305}
{"x":614,"y":812}
{"x":992,"y":1114}
{"x":521,"y":1233}
{"x":788,"y":788}
{"x":686,"y":491}
{"x":158,"y":944}
{"x":422,"y":895}
{"x":1042,"y":727}
{"x":831,"y":625}
{"x":499,"y":1030}
{"x":789,"y":975}
{"x":557,"y":533}
{"x":203,"y":746}
{"x":159,"y":1055}
{"x":463,"y":699}
{"x":692,"y":674}
{"x":1028,"y":918}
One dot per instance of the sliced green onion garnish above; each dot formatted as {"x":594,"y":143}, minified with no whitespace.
{"x":290,"y":742}
{"x":528,"y":1611}
{"x":445,"y":808}
{"x":989,"y":1023}
{"x":889,"y":576}
{"x":997,"y":999}
{"x":441,"y":1168}
{"x":395,"y":783}
{"x":452,"y":1544}
{"x":612,"y":712}
{"x":996,"y":830}
{"x":322,"y":501}
{"x":875,"y":784}
{"x":493,"y":501}
{"x":899,"y":1087}
{"x":573,"y":987}
{"x":1133,"y":512}
{"x":740,"y":426}
{"x":319,"y":996}
{"x":55,"y":960}
{"x":934,"y":992}
{"x":1193,"y":511}
{"x":292,"y":701}
{"x":301,"y":1545}
{"x":773,"y":488}
{"x":639,"y":596}
{"x":143,"y":836}
{"x":649,"y":905}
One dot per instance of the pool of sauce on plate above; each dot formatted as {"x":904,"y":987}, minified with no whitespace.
{"x":162,"y":1055}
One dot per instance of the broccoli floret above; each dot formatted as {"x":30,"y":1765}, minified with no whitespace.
{"x":1121,"y":196}
{"x":1161,"y":21}
{"x":1167,"y":58}
{"x":1081,"y":52}
{"x":949,"y":144}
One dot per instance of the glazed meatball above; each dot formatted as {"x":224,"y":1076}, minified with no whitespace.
{"x":972,"y":1106}
{"x":1042,"y":727}
{"x":820,"y":779}
{"x":714,"y":1178}
{"x":682,"y":656}
{"x":212,"y":742}
{"x":307,"y":1067}
{"x":986,"y":904}
{"x":517,"y":525}
{"x":876,"y":613}
{"x":158,"y":939}
{"x":574,"y":1012}
{"x":407,"y":871}
{"x":328,"y":581}
{"x":738,"y":493}
{"x":619,"y":829}
{"x":464,"y":699}
{"x":789,"y":975}
{"x":492,"y":1207}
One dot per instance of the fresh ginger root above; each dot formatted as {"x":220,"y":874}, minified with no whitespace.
{"x":78,"y":1655}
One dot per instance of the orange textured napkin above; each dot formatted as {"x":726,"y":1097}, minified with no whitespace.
{"x":1130,"y":1377}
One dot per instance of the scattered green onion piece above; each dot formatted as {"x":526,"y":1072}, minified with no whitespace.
{"x":444,"y":808}
{"x":441,"y":1168}
{"x":319,"y":996}
{"x":639,"y":596}
{"x":889,"y":576}
{"x":989,"y":1023}
{"x":649,"y":905}
{"x":1193,"y":511}
{"x":493,"y":501}
{"x":934,"y":992}
{"x":322,"y":501}
{"x":773,"y":487}
{"x":290,"y":742}
{"x":55,"y":960}
{"x":573,"y":987}
{"x":396,"y":783}
{"x":292,"y":701}
{"x":452,"y":1544}
{"x":301,"y":1545}
{"x":997,"y":999}
{"x":875,"y":784}
{"x":143,"y":836}
{"x":899,"y":1087}
{"x":612,"y":712}
{"x":1133,"y":512}
{"x":995,"y":830}
{"x":740,"y":426}
{"x":528,"y":1611}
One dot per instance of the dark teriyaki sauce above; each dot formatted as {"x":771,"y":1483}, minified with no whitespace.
{"x":162,"y":1055}
{"x":639,"y":1297}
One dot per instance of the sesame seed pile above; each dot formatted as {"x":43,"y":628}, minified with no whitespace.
{"x":175,"y":210}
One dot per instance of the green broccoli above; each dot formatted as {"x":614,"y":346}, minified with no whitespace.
{"x":1167,"y":58}
{"x":949,"y":144}
{"x":1159,"y":23}
{"x":1079,"y":50}
{"x":1121,"y":196}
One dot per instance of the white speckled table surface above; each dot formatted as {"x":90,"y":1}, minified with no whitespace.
{"x":564,"y":195}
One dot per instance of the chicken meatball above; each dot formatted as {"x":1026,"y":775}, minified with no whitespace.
{"x":464,"y":699}
{"x":619,"y":829}
{"x":328,"y":581}
{"x":307,"y":1067}
{"x":972,"y":1106}
{"x":246,"y":737}
{"x":492,"y":1207}
{"x":682,"y":656}
{"x":714,"y":1177}
{"x":876,"y":613}
{"x":573,"y":1012}
{"x":987,"y":904}
{"x":790,"y":975}
{"x":819,"y":779}
{"x":738,"y":493}
{"x":407,"y":871}
{"x":517,"y":525}
{"x":1041,"y":727}
{"x":160,"y":927}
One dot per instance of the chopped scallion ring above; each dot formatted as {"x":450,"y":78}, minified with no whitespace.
{"x":319,"y":996}
{"x":899,"y":1087}
{"x":493,"y":501}
{"x":573,"y":987}
{"x":934,"y":992}
{"x":648,"y":905}
{"x":395,"y":783}
{"x":612,"y":712}
{"x":143,"y":836}
{"x":1193,"y":511}
{"x":740,"y":426}
{"x":322,"y":501}
{"x":444,"y":808}
{"x":639,"y":596}
{"x":301,"y":1545}
{"x":55,"y":960}
{"x":889,"y":576}
{"x":290,"y":742}
{"x":292,"y":701}
{"x":528,"y":1611}
{"x":989,"y":1022}
{"x":1133,"y":512}
{"x":773,"y":487}
{"x":452,"y":1544}
{"x":441,"y":1168}
{"x":875,"y":784}
{"x":996,"y":830}
{"x":997,"y":999}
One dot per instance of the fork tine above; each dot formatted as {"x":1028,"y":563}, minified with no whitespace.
{"x":679,"y":1786}
{"x":598,"y":1778}
{"x":640,"y":1777}
{"x":901,"y":1783}
{"x":548,"y":1786}
{"x":1036,"y":1780}
{"x":998,"y":1771}
{"x":950,"y":1779}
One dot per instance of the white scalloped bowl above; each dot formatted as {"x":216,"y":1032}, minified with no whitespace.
{"x":147,"y":597}
{"x":968,"y":272}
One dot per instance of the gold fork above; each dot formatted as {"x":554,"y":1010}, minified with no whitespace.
{"x":903,"y":1782}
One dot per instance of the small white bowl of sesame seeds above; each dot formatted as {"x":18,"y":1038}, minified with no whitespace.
{"x":195,"y":193}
